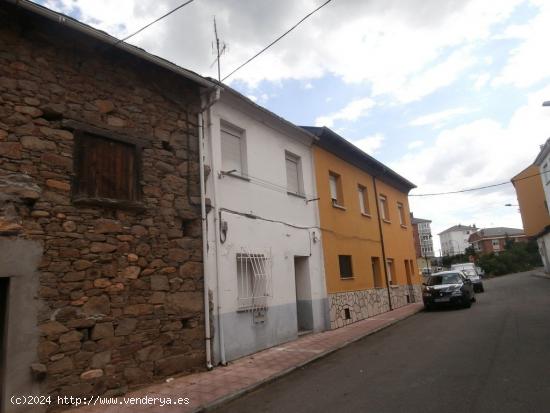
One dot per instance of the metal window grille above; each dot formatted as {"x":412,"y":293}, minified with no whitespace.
{"x":254,"y":280}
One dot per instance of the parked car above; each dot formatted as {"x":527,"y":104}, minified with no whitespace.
{"x":471,"y":271}
{"x":448,"y":287}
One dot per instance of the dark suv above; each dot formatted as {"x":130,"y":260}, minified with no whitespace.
{"x":448,"y":287}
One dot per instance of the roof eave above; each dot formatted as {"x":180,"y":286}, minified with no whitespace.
{"x":74,"y":24}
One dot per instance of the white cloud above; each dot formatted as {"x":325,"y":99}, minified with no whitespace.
{"x":529,"y":62}
{"x":415,"y":144}
{"x":252,"y":98}
{"x":370,"y":144}
{"x":351,"y":112}
{"x":405,"y":50}
{"x":438,"y":119}
{"x":475,"y":154}
{"x":481,"y":80}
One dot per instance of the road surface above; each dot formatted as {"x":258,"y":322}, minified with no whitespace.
{"x":493,"y":357}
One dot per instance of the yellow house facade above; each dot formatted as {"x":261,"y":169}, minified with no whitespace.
{"x":531,"y":199}
{"x":365,"y":222}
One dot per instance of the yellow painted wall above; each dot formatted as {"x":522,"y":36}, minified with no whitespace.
{"x":530,"y":194}
{"x":348,"y":232}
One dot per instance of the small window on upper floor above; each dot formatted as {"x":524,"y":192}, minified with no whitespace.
{"x":294,"y":182}
{"x":384,"y":211}
{"x":401,"y":211}
{"x":336,"y":194}
{"x":363,"y":200}
{"x":233,"y":150}
{"x":106,"y":169}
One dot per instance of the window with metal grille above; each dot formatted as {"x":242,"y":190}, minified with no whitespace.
{"x":346,"y":270}
{"x":253,"y":281}
{"x":293,"y":174}
{"x":232,"y":145}
{"x":106,"y":169}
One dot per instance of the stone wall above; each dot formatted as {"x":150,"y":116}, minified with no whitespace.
{"x":120,"y":297}
{"x":369,"y":303}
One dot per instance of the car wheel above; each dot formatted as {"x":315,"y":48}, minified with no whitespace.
{"x":467,"y":303}
{"x":481,"y":289}
{"x":473,"y":299}
{"x":428,"y":307}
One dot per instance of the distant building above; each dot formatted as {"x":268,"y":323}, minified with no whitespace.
{"x":493,"y":240}
{"x":422,"y":235}
{"x":531,"y":199}
{"x":543,"y":237}
{"x":454,"y":240}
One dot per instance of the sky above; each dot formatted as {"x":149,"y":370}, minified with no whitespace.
{"x":448,"y":93}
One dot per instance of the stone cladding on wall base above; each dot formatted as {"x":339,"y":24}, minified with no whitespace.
{"x":369,"y":303}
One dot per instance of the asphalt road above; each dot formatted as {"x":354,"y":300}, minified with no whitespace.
{"x":493,"y":357}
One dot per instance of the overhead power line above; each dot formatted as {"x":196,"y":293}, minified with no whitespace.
{"x":154,"y":21}
{"x":460,"y":191}
{"x":277,"y":39}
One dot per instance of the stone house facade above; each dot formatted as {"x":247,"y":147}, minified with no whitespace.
{"x":101,"y":274}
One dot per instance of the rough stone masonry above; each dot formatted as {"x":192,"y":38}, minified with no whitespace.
{"x":117,"y":292}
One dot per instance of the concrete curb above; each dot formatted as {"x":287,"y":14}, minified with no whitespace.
{"x":239,"y":393}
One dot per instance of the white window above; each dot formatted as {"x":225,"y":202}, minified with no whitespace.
{"x":253,"y":281}
{"x":293,"y":174}
{"x":496,"y":244}
{"x":335,"y":184}
{"x":401,"y":211}
{"x":363,"y":200}
{"x":384,"y":207}
{"x":232,"y":143}
{"x":389,"y":266}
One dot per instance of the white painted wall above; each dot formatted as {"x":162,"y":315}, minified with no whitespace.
{"x":263,"y":195}
{"x":455,"y":242}
{"x":544,"y":241}
{"x":544,"y":169}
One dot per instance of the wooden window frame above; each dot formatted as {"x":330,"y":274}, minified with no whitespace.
{"x":81,"y":131}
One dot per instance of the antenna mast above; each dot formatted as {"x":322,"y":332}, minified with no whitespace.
{"x":219,"y":52}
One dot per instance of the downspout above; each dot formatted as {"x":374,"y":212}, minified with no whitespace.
{"x":208,"y":337}
{"x":217,"y":222}
{"x":385,"y":264}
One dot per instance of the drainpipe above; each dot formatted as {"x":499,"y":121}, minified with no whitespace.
{"x":382,"y":240}
{"x":217,"y":222}
{"x":208,"y":338}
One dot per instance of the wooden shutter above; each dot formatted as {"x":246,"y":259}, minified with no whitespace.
{"x":107,"y":169}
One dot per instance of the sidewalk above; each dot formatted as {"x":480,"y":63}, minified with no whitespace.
{"x":211,"y":388}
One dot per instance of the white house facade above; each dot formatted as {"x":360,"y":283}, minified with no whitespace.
{"x":264,"y":265}
{"x":543,"y":239}
{"x":454,"y":240}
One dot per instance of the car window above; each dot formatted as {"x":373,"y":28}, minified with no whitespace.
{"x":452,"y":278}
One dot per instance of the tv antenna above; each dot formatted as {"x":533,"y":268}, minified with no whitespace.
{"x":219,"y":52}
